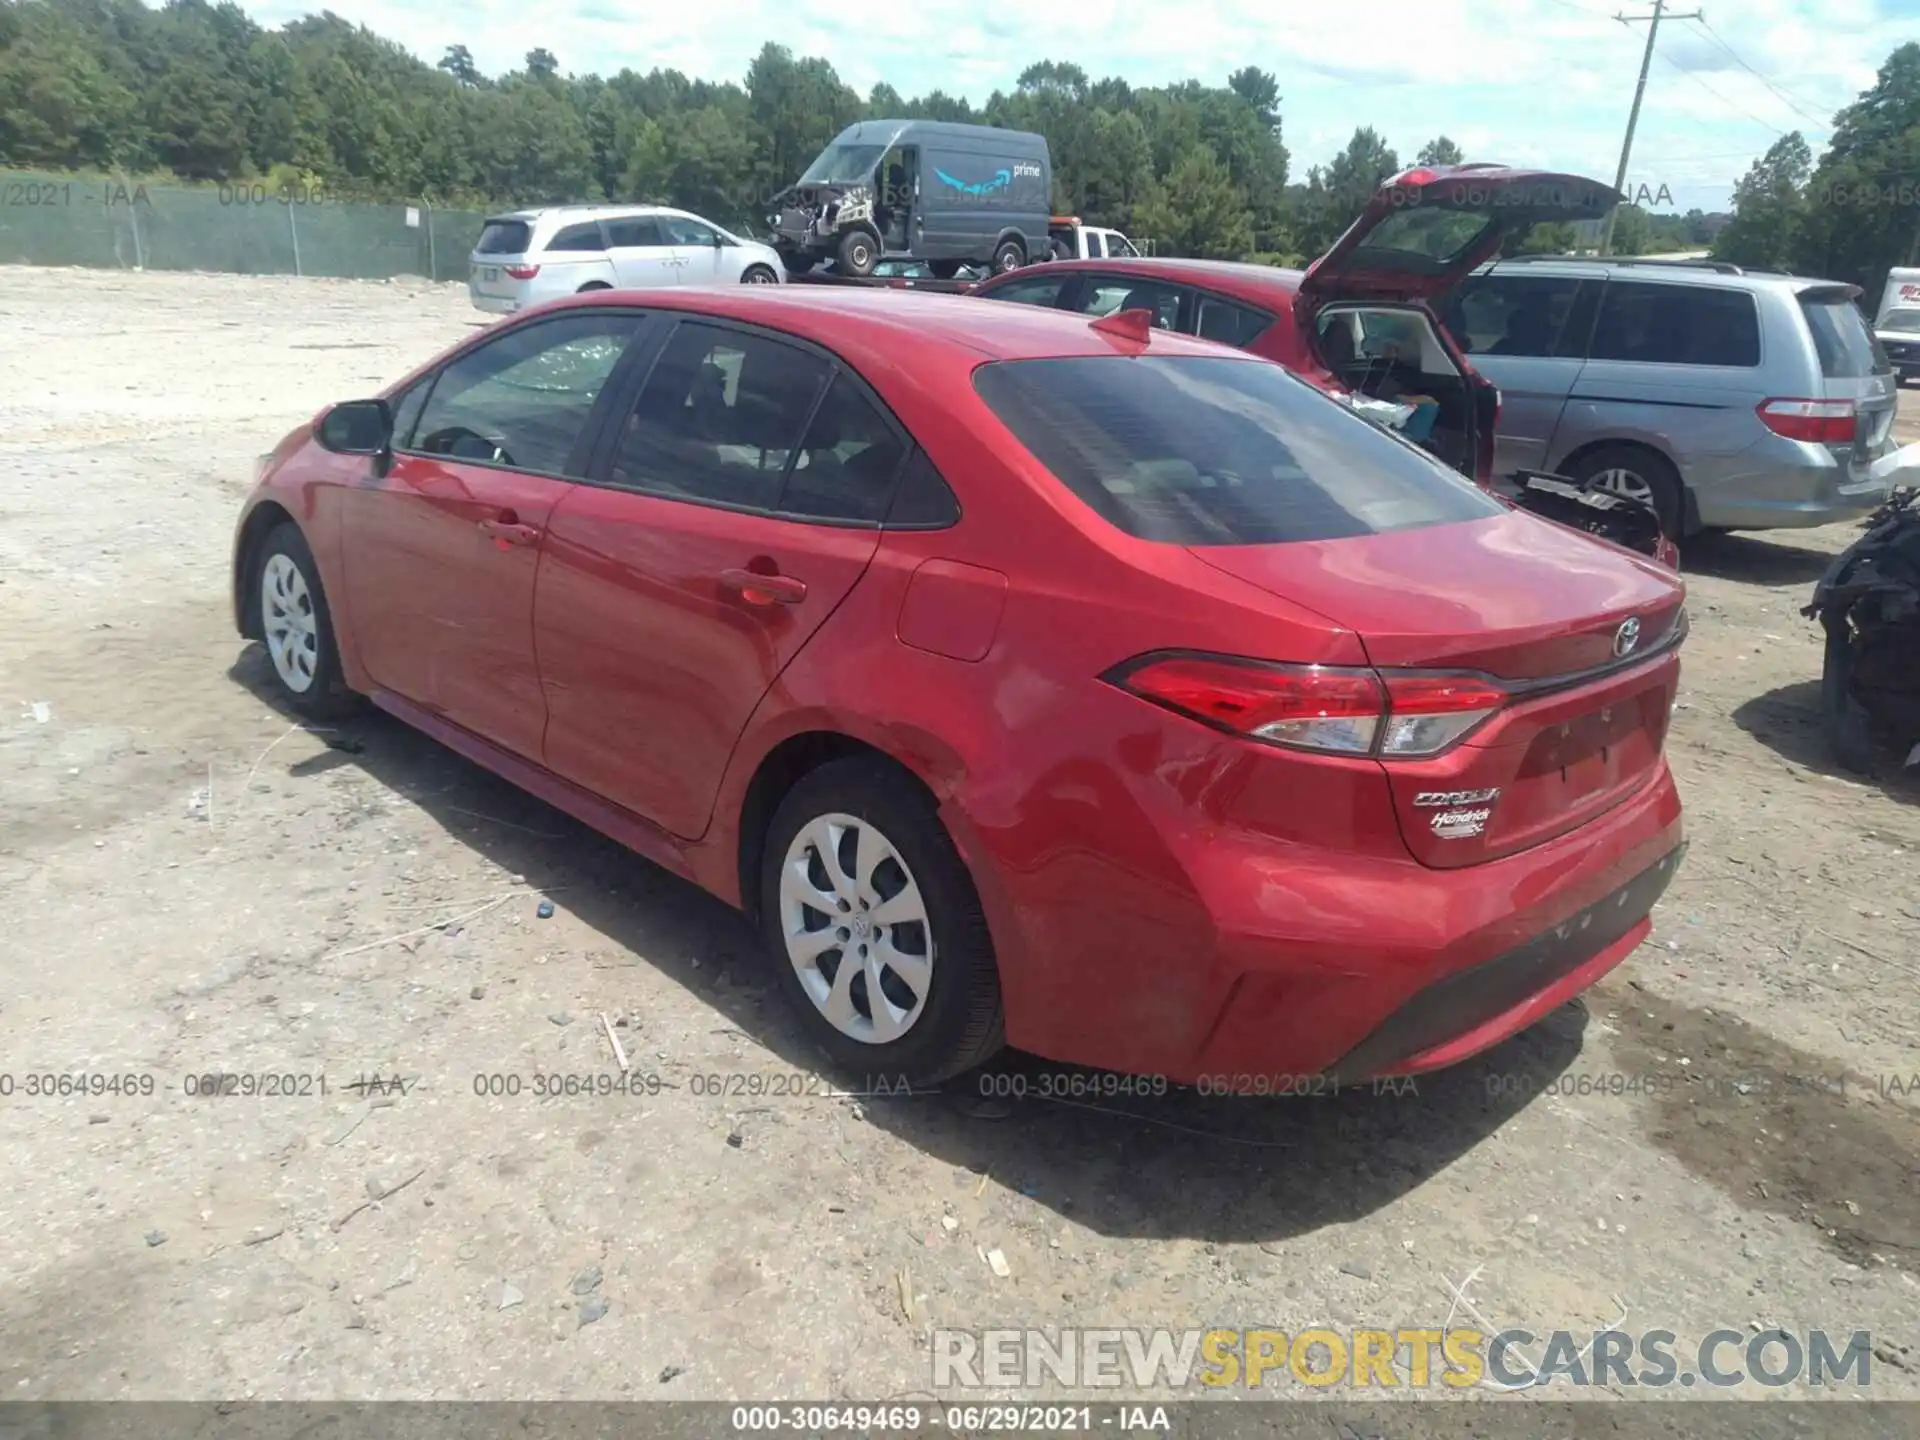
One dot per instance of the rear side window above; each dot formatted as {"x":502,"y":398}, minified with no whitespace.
{"x":1847,"y":348}
{"x":505,"y":237}
{"x":636,"y":231}
{"x":1225,"y":451}
{"x":848,"y":460}
{"x":720,"y":418}
{"x":578,"y":237}
{"x":1108,"y":294}
{"x":1230,"y":324}
{"x":1677,"y":325}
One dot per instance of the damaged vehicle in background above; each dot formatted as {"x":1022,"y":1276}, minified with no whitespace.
{"x":948,"y":195}
{"x":1359,"y":324}
{"x":1869,"y":603}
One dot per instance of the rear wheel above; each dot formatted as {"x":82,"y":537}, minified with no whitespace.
{"x":759,"y":275}
{"x":858,"y":253}
{"x":875,"y":929}
{"x":593,"y":285}
{"x":1635,"y":473}
{"x":1010,"y":255}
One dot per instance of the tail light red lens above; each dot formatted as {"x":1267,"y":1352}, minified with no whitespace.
{"x":1333,"y":710}
{"x":522,"y":272}
{"x":1824,"y":422}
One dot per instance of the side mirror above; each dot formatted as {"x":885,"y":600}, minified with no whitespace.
{"x":357,"y":427}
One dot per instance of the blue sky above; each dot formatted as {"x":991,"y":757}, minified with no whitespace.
{"x":1524,"y":82}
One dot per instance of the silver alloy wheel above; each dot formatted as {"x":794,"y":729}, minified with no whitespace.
{"x":1628,"y":484}
{"x":856,"y":928}
{"x":288,"y":620}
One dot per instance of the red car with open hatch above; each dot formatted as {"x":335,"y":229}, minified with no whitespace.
{"x":1027,"y":679}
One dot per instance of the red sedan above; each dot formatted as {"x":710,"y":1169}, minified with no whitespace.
{"x":1027,"y":679}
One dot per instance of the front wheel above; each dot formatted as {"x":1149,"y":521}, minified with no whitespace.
{"x":297,"y":627}
{"x":858,"y":253}
{"x":759,"y":275}
{"x":875,"y":929}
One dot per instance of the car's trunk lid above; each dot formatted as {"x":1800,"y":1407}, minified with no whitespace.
{"x":1428,"y":228}
{"x":503,"y":242}
{"x":1582,"y":633}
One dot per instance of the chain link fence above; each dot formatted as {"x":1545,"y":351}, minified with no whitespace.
{"x":239,"y":229}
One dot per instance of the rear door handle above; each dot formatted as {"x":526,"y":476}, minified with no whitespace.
{"x":758,"y":589}
{"x":508,"y":532}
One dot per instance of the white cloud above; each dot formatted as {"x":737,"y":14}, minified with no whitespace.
{"x":1530,"y":82}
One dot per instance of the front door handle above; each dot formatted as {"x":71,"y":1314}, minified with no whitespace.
{"x":758,"y":589}
{"x":508,"y":532}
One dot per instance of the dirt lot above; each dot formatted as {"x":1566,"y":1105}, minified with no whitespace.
{"x":189,"y":885}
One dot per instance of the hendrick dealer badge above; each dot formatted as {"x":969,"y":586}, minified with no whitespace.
{"x":1463,"y":813}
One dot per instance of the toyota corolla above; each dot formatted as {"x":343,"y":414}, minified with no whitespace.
{"x":1026,"y":679}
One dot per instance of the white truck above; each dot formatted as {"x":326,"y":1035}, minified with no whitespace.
{"x":1070,"y":240}
{"x":1897,"y":326}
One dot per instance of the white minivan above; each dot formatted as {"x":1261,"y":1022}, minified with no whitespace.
{"x":529,"y":256}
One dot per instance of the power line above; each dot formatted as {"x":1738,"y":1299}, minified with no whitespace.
{"x":1786,"y":97}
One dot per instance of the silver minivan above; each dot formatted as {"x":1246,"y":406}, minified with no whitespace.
{"x":529,"y":256}
{"x":1728,"y":399}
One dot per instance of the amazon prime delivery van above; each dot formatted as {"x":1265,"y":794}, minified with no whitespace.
{"x":950,"y":195}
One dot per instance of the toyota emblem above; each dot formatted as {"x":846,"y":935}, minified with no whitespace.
{"x":1625,"y":638}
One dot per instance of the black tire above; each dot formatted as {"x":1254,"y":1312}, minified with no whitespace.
{"x":759,"y":275}
{"x":1843,"y":720}
{"x":1009,"y":255}
{"x":1652,"y":468}
{"x":326,"y":694}
{"x":959,"y":1023}
{"x":944,"y":269}
{"x":593,"y":285}
{"x":857,"y":254}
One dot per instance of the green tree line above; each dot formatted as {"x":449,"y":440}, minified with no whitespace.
{"x":202,"y":92}
{"x":1853,"y":215}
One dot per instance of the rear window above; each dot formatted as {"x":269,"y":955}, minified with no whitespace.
{"x":1847,"y":348}
{"x":505,"y":237}
{"x":1224,"y":451}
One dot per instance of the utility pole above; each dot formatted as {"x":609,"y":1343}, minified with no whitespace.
{"x":1633,"y":115}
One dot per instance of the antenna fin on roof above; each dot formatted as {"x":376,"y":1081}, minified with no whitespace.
{"x":1134,"y":323}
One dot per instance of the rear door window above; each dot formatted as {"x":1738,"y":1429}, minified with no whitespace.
{"x":847,"y":461}
{"x":1109,"y":294}
{"x":504,"y":237}
{"x":720,"y":418}
{"x":1228,"y":323}
{"x":1677,"y":325}
{"x":1848,"y":349}
{"x":579,"y":238}
{"x":634,"y":232}
{"x":1042,"y":290}
{"x":1224,"y":451}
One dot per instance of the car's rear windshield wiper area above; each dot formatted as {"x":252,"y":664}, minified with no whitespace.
{"x":1203,"y":451}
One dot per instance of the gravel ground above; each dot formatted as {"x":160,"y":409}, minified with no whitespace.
{"x":189,"y":885}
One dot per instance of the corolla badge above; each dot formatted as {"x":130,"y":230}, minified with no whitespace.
{"x":1626,"y":637}
{"x":1463,"y":813}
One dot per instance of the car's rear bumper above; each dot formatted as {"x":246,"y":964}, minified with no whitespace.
{"x":493,"y":304}
{"x":1782,"y":484}
{"x":1267,"y":962}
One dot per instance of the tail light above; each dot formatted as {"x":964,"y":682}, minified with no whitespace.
{"x":1332,"y":710}
{"x":1823,"y":422}
{"x":522,"y":272}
